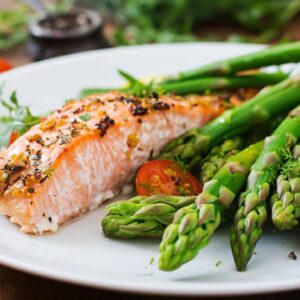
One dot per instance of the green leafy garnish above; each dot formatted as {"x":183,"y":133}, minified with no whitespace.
{"x":133,"y":86}
{"x":49,"y":172}
{"x":218,"y":263}
{"x":19,"y":119}
{"x":13,"y":26}
{"x":85,"y":117}
{"x":290,"y":169}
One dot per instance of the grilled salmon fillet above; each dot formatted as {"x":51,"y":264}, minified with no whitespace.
{"x":86,"y":151}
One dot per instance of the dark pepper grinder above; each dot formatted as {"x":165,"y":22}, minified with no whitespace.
{"x":64,"y":33}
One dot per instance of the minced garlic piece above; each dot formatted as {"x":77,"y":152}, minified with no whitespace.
{"x":101,"y":113}
{"x":48,"y":124}
{"x":61,"y":122}
{"x":34,"y":137}
{"x":19,"y":160}
{"x":78,"y":125}
{"x":132,"y":140}
{"x":16,"y":192}
{"x":128,"y":155}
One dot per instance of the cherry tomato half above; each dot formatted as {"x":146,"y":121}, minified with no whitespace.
{"x":166,"y":177}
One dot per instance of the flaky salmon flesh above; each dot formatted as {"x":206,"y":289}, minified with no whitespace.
{"x":85,"y":152}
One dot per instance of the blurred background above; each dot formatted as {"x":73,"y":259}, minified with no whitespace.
{"x":33,"y":30}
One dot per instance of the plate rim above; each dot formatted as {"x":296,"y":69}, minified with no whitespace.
{"x":137,"y":288}
{"x":122,"y":48}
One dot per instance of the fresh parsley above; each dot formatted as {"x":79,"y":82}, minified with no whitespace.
{"x":137,"y":87}
{"x":85,"y":117}
{"x":133,"y":86}
{"x":18,"y":119}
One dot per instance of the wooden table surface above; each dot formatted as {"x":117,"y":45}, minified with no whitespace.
{"x":18,"y":285}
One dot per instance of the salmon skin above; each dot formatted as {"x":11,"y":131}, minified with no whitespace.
{"x":86,"y":151}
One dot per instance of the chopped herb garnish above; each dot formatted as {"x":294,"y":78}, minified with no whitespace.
{"x":146,"y":274}
{"x":292,"y":255}
{"x":85,"y":117}
{"x":49,"y":172}
{"x":218,"y":263}
{"x":151,"y":261}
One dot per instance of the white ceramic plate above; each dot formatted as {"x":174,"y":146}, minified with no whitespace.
{"x":78,"y":252}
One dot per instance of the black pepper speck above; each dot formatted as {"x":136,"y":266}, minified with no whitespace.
{"x":104,"y":124}
{"x":31,"y":190}
{"x":161,"y":106}
{"x":138,"y":110}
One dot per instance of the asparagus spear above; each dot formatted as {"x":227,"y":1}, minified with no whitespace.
{"x":217,"y":157}
{"x":142,"y":216}
{"x":252,"y":214}
{"x":276,"y":55}
{"x":196,"y":85}
{"x":217,"y":83}
{"x":268,"y":104}
{"x":286,"y":198}
{"x":194,"y":225}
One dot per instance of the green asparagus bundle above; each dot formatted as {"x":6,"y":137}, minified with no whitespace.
{"x":142,"y":216}
{"x":271,"y":102}
{"x":276,"y":55}
{"x":194,"y":225}
{"x":217,"y":157}
{"x":252,"y":213}
{"x":193,"y":86}
{"x":286,"y":198}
